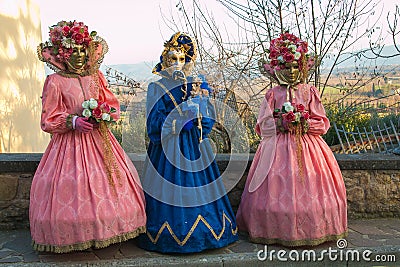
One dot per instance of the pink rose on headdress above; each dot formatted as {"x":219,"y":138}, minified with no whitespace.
{"x":64,"y":53}
{"x":75,"y":29}
{"x":78,"y":38}
{"x":55,"y":36}
{"x":290,"y":37}
{"x":273,"y":43}
{"x":288,"y":57}
{"x":284,"y":50}
{"x":274,"y":62}
{"x":304,"y":45}
{"x":65,"y":30}
{"x":273,"y":54}
{"x":306,"y":115}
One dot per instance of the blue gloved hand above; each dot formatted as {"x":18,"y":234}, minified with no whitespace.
{"x":188,"y":125}
{"x":185,"y":123}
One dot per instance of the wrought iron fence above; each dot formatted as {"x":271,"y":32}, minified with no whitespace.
{"x":379,"y":138}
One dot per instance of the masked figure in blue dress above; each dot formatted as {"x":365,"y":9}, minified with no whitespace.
{"x":186,"y":203}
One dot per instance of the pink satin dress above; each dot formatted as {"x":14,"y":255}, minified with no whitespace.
{"x":294,"y":194}
{"x":74,"y":204}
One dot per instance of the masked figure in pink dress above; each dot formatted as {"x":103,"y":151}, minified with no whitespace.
{"x":294,"y":193}
{"x":85,"y":192}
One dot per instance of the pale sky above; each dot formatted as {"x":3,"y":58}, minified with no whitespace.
{"x":133,"y":29}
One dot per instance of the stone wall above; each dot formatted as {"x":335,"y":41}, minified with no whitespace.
{"x":372,"y":183}
{"x":16,"y":173}
{"x":374,"y":193}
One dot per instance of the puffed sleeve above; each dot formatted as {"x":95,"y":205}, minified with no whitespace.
{"x":318,"y":122}
{"x":107,"y":96}
{"x":156,"y":112}
{"x":54,"y":111}
{"x":265,"y":126}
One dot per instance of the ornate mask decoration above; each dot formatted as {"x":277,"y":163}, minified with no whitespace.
{"x":71,"y":49}
{"x":179,"y":54}
{"x":288,"y":60}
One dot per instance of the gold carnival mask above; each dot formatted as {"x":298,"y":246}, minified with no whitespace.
{"x":174,"y":60}
{"x":179,"y":54}
{"x":290,"y":75}
{"x":77,"y":60}
{"x":288,"y":60}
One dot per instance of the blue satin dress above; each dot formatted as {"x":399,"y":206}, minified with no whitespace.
{"x":186,"y":204}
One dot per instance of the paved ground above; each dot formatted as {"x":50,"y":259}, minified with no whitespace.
{"x":375,"y":239}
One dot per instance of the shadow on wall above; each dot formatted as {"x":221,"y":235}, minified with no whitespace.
{"x":22,"y":76}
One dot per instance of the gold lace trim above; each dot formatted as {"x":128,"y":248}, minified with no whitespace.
{"x":88,"y":244}
{"x":298,"y":132}
{"x":295,"y":243}
{"x":68,"y":121}
{"x":170,"y":96}
{"x":94,"y":63}
{"x":109,"y":157}
{"x":199,"y":218}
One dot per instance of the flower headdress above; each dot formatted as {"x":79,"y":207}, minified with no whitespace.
{"x":66,"y":35}
{"x":286,"y":49}
{"x":178,"y":41}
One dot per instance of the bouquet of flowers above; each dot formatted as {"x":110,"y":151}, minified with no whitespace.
{"x":292,"y":119}
{"x":97,"y":111}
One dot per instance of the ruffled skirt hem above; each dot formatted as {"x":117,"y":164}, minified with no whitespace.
{"x":88,"y":244}
{"x":296,"y":243}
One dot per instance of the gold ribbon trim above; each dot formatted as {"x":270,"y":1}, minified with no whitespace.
{"x":297,"y":131}
{"x":225,"y":218}
{"x":109,"y":157}
{"x":170,"y":96}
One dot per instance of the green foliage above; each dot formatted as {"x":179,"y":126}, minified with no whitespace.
{"x":134,"y":137}
{"x":353,"y":117}
{"x":131,"y":134}
{"x":254,"y":138}
{"x":116,"y":130}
